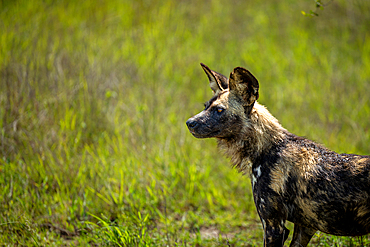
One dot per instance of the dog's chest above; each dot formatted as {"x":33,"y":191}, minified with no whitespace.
{"x":260,"y":179}
{"x":266,"y":192}
{"x":255,"y":175}
{"x":264,"y":179}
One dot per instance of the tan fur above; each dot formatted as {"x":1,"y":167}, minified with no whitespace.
{"x":279,"y":177}
{"x":262,"y":129}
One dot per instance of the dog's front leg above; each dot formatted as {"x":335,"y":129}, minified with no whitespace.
{"x":275,"y":233}
{"x":301,"y":236}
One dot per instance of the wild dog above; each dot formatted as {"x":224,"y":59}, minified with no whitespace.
{"x":293,"y":179}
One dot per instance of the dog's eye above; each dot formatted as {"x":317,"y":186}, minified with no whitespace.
{"x":219,"y":110}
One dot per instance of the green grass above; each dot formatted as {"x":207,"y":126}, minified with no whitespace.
{"x":94,"y":96}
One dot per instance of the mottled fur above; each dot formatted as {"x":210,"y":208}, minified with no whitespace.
{"x":293,"y":178}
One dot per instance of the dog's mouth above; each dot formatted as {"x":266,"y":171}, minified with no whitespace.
{"x":204,"y":135}
{"x":195,"y":134}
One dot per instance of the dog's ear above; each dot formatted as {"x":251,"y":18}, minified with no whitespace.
{"x":217,"y":81}
{"x":244,"y":84}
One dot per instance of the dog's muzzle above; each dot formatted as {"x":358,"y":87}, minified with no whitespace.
{"x":192,"y":124}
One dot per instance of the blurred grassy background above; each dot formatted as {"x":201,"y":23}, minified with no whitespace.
{"x":94,"y":96}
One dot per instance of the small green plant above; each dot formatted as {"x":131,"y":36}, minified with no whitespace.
{"x":113,"y":234}
{"x":318,"y":5}
{"x":312,"y":13}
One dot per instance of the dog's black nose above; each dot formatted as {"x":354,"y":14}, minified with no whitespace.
{"x":191,"y":123}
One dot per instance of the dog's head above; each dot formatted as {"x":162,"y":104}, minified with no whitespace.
{"x":232,"y":102}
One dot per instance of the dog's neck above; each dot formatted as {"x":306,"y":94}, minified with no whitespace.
{"x":259,"y":133}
